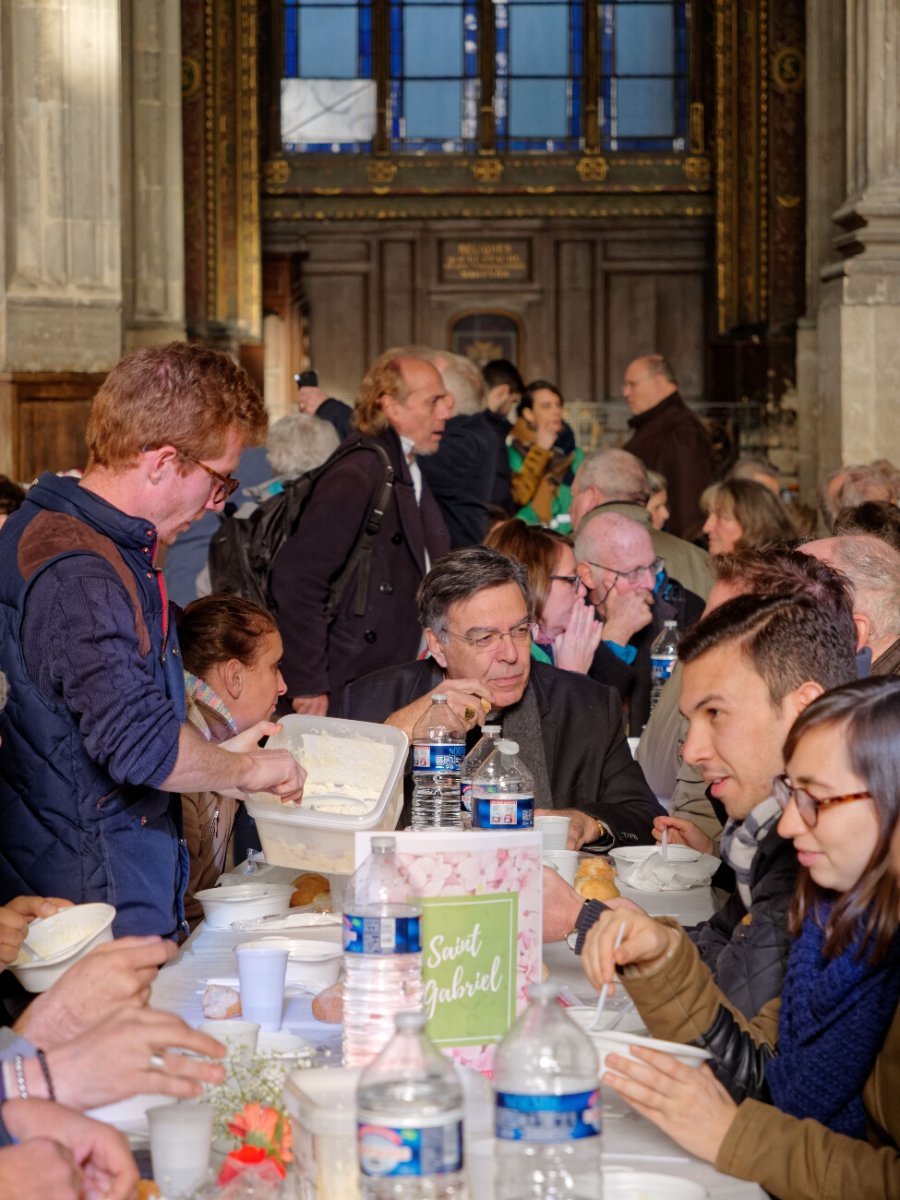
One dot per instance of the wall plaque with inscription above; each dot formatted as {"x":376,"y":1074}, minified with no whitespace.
{"x":463,"y":261}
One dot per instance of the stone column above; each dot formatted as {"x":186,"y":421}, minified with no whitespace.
{"x":859,"y":296}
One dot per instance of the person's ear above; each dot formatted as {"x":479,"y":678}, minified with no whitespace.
{"x":156,"y":460}
{"x":231,"y":673}
{"x":528,"y":415}
{"x":389,"y":405}
{"x":585,"y":574}
{"x":436,"y":648}
{"x":863,"y":630}
{"x":801,"y":697}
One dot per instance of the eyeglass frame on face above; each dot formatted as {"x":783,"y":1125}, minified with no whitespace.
{"x":489,"y":639}
{"x":575,"y":580}
{"x":228,"y":485}
{"x":808,"y":805}
{"x":635,"y":573}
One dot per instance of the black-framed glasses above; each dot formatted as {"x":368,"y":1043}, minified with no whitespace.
{"x":488,"y":639}
{"x":636,"y":573}
{"x":227,"y":484}
{"x":574,"y":580}
{"x":808,"y":805}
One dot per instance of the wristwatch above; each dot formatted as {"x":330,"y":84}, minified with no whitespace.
{"x":604,"y":839}
{"x":587,"y":918}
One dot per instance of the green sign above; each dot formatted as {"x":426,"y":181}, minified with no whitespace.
{"x":469,"y":963}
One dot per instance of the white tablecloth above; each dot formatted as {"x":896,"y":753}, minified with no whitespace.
{"x":628,"y":1139}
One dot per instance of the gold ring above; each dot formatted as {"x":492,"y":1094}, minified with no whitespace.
{"x":469,"y":713}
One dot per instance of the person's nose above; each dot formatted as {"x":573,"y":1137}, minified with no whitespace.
{"x":695,"y":749}
{"x":282,"y":686}
{"x":445,"y":408}
{"x":507,"y":649}
{"x":647,"y":580}
{"x":709,"y":524}
{"x":791,"y":824}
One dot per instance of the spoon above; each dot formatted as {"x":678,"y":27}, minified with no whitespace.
{"x":665,"y":844}
{"x":605,"y":990}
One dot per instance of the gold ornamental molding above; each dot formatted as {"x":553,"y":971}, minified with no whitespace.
{"x":381,"y":172}
{"x":592,"y":169}
{"x":696,"y":168}
{"x":789,"y":69}
{"x":277,"y":171}
{"x":487,"y":170}
{"x":191,"y":77}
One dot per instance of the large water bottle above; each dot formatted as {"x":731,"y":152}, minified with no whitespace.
{"x":663,"y":657}
{"x":548,"y":1106}
{"x":382,"y":952}
{"x":409,"y":1106}
{"x":471,"y":764}
{"x":438,"y":749}
{"x":503,"y":791}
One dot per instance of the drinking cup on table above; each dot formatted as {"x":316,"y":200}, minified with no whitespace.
{"x":180,"y":1143}
{"x":239,"y":1036}
{"x":554,"y":833}
{"x":261,"y":970}
{"x":565,"y":862}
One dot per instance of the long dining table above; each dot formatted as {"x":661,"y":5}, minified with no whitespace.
{"x":629,"y":1140}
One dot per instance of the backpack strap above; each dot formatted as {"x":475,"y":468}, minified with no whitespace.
{"x":361,"y":555}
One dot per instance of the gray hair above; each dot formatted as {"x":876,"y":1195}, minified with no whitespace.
{"x":658,"y":364}
{"x":4,"y":691}
{"x":861,"y":484}
{"x":463,"y":381}
{"x":873,"y":567}
{"x":617,"y":474}
{"x":607,"y":529}
{"x":299,"y":442}
{"x":460,"y":575}
{"x":750,"y":467}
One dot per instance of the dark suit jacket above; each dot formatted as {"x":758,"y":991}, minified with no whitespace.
{"x":461,"y":477}
{"x":588,"y":761}
{"x":321,"y":657}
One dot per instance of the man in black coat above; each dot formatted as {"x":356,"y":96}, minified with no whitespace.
{"x":402,"y":406}
{"x":476,"y":610}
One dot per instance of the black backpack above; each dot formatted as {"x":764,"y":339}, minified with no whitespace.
{"x":243,"y":549}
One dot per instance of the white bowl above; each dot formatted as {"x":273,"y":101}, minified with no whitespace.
{"x":312,"y":964}
{"x":61,"y":940}
{"x":683,"y":868}
{"x":617,"y":1042}
{"x":244,"y":902}
{"x":629,"y":1021}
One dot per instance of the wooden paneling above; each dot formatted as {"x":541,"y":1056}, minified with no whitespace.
{"x":339,"y":317}
{"x":46,"y":415}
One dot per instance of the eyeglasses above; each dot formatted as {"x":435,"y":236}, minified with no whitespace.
{"x":808,"y":805}
{"x":574,"y":580}
{"x":636,"y":573}
{"x":227,"y":484}
{"x":488,"y":639}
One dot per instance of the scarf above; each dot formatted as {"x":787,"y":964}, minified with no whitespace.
{"x":741,"y":841}
{"x":835,"y":1013}
{"x":198,"y":691}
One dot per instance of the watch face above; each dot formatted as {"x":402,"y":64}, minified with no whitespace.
{"x":571,"y":939}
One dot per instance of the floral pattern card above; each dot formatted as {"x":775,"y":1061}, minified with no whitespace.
{"x":481,"y":931}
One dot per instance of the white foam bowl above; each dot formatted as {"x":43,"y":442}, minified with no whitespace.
{"x":312,"y":964}
{"x":628,"y":1022}
{"x":244,"y":902}
{"x":617,"y":1042}
{"x":629,"y":859}
{"x":61,"y":940}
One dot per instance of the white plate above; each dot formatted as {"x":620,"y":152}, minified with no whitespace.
{"x":282,"y":1041}
{"x":619,"y":1183}
{"x":624,"y":1017}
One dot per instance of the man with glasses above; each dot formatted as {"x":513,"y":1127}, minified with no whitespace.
{"x":96,"y":750}
{"x":475,"y":608}
{"x":619,"y":570}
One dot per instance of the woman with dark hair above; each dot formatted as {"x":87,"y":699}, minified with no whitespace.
{"x":231,"y":650}
{"x":567,"y":634}
{"x":812,"y":1081}
{"x":745,"y":515}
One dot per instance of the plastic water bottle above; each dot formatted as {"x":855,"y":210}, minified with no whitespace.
{"x":663,"y":657}
{"x":382,"y":952}
{"x":438,"y":747}
{"x":409,"y":1106}
{"x":547,"y":1106}
{"x":503,"y":791}
{"x":471,"y":764}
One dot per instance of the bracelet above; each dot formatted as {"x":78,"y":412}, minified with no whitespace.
{"x":42,"y":1059}
{"x":19,"y":1065}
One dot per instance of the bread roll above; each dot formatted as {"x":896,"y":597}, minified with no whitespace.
{"x":593,"y":868}
{"x":597,"y":887}
{"x":307,"y":887}
{"x":221,"y":1002}
{"x":328,"y":1006}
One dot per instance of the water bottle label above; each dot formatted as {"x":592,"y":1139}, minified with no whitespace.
{"x":382,"y":935}
{"x":435,"y":757}
{"x":661,"y":666}
{"x":465,"y":794}
{"x":502,"y":812}
{"x":547,"y":1118}
{"x":391,"y":1151}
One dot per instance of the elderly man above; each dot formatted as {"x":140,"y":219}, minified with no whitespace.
{"x":617,"y":482}
{"x":476,"y":610}
{"x":668,"y":438}
{"x":873,"y":568}
{"x":96,"y":747}
{"x":401,"y":411}
{"x":619,"y":569}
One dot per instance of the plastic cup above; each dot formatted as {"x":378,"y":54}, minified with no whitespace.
{"x":565,"y":862}
{"x":239,"y":1036}
{"x":554,"y":833}
{"x":261,"y":970}
{"x":180,"y":1144}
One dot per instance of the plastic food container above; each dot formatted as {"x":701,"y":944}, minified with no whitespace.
{"x":62,"y":940}
{"x":683,"y":868}
{"x":322,"y":1104}
{"x":616,"y":1042}
{"x":244,"y":902}
{"x":354,"y":783}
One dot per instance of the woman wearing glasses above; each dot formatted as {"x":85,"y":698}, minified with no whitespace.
{"x":812,"y":1081}
{"x":567,"y":633}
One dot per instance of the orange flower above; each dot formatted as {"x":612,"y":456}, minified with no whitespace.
{"x":265,"y":1128}
{"x":250,"y":1156}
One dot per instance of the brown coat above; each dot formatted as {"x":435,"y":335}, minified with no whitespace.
{"x":208,"y":818}
{"x":791,"y":1159}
